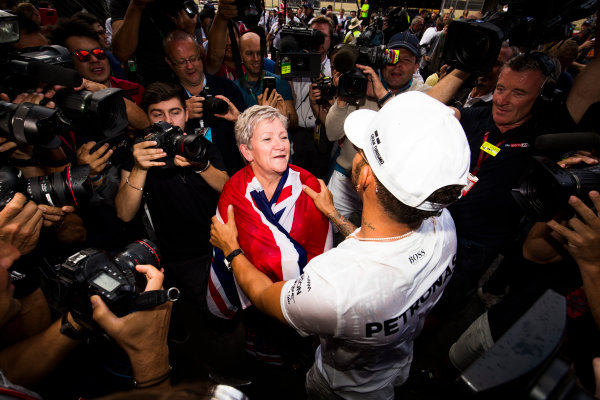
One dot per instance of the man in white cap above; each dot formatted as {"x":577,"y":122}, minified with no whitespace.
{"x":368,"y":298}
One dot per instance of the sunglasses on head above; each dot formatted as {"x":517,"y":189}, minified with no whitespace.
{"x":86,"y":55}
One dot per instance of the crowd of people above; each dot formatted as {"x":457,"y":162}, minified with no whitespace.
{"x":350,"y":243}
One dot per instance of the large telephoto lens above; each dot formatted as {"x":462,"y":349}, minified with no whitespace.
{"x":70,"y":187}
{"x":546,"y":187}
{"x":30,"y":124}
{"x":104,"y":111}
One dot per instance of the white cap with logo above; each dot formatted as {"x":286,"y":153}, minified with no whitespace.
{"x":414,"y":145}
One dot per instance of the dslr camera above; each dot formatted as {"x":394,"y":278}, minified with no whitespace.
{"x":172,"y":7}
{"x":212,"y":105}
{"x":327,"y":88}
{"x":70,"y":187}
{"x":353,"y":83}
{"x":95,"y":272}
{"x":172,"y":140}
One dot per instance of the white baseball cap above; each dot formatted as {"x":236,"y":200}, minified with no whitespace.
{"x":414,"y":145}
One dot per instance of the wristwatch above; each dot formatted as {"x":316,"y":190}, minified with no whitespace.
{"x":231,"y":256}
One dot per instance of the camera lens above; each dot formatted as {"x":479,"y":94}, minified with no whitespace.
{"x":216,"y":106}
{"x":70,"y":187}
{"x":138,"y":253}
{"x":192,"y":147}
{"x":30,"y":124}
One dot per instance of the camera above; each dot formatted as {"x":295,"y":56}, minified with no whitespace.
{"x":102,"y":112}
{"x":473,"y":45}
{"x":172,"y":140}
{"x":28,"y":123}
{"x":249,"y":11}
{"x":213,"y":105}
{"x":94,"y":272}
{"x":546,"y":187}
{"x":298,"y":57}
{"x":172,"y":7}
{"x":24,"y":71}
{"x":353,"y":83}
{"x":70,"y":187}
{"x":327,"y":88}
{"x":527,"y":362}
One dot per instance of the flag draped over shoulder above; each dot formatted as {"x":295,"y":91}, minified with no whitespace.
{"x":279,"y":237}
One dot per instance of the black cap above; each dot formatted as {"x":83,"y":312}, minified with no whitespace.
{"x":405,"y":40}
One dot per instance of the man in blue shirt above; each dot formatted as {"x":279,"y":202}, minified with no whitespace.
{"x":252,"y":85}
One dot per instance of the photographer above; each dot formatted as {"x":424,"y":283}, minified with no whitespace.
{"x":396,"y":78}
{"x":183,"y":57}
{"x":139,"y":27}
{"x":179,"y":200}
{"x":510,"y":125}
{"x":29,"y":360}
{"x":310,"y":109}
{"x":91,"y":61}
{"x":254,"y":93}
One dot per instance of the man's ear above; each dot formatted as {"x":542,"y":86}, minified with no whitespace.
{"x":246,"y":153}
{"x":366,"y":176}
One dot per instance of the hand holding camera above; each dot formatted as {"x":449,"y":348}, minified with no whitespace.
{"x":146,"y":155}
{"x":375,"y":88}
{"x":96,"y":160}
{"x":20,"y":223}
{"x":231,"y":114}
{"x":195,"y":106}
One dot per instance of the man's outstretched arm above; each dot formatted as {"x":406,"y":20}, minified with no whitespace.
{"x":259,"y":288}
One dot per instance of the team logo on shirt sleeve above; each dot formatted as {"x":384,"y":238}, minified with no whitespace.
{"x":296,"y":289}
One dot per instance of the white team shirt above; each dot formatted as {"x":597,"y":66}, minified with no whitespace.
{"x":367,"y":301}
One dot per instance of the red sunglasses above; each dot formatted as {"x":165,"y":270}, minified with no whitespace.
{"x":86,"y":55}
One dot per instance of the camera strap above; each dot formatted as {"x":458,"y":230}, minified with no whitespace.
{"x":154,"y":298}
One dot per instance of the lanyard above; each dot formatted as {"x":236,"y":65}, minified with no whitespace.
{"x":73,"y":141}
{"x":483,"y":155}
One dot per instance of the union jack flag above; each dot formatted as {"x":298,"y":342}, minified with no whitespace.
{"x":279,"y":237}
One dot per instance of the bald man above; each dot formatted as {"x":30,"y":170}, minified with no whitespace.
{"x":252,"y":86}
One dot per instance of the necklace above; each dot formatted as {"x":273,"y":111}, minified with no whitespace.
{"x":407,"y":234}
